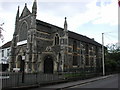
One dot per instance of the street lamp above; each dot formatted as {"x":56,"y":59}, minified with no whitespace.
{"x":103,"y":58}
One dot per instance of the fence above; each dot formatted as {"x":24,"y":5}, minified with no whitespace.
{"x":27,"y":79}
{"x":9,"y":80}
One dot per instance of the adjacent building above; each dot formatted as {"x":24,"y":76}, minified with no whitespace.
{"x":38,"y":46}
{"x":4,"y":55}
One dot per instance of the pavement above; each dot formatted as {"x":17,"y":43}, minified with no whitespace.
{"x":75,"y":83}
{"x":62,"y":84}
{"x":108,"y":83}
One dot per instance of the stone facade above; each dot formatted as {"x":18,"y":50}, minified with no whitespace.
{"x":38,"y":46}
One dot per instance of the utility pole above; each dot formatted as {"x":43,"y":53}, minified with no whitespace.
{"x":103,"y":58}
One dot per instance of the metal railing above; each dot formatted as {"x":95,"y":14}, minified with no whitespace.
{"x":12,"y":79}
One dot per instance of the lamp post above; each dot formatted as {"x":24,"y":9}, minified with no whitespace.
{"x":103,"y":58}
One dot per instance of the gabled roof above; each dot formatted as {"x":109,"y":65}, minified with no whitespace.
{"x":47,"y":24}
{"x":6,"y":45}
{"x":25,"y":12}
{"x":72,"y":34}
{"x":82,"y":38}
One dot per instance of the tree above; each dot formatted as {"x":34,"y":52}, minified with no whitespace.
{"x":1,"y":35}
{"x":112,"y":62}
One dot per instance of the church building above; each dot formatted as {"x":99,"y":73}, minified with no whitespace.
{"x":38,"y":46}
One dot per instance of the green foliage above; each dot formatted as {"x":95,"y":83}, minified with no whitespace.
{"x":69,"y":75}
{"x":112,"y":61}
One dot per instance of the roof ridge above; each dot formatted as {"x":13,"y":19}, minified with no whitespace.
{"x":6,"y":45}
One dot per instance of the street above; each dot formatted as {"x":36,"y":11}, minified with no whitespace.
{"x":109,"y":82}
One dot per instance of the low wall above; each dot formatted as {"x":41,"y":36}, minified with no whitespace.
{"x":9,"y":80}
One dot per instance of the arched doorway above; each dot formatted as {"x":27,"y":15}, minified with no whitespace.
{"x":21,"y":63}
{"x":48,"y":65}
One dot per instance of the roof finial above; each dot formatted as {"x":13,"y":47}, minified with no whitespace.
{"x":65,"y":24}
{"x":18,"y":7}
{"x":65,"y":18}
{"x":17,"y":15}
{"x":34,"y":8}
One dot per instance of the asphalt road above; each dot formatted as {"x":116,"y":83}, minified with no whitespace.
{"x":110,"y":82}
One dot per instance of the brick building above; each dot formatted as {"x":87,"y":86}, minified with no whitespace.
{"x":38,"y":46}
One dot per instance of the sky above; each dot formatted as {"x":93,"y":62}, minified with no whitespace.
{"x":90,"y":18}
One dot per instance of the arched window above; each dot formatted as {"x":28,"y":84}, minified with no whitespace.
{"x":23,"y":32}
{"x":74,"y":46}
{"x":56,"y":39}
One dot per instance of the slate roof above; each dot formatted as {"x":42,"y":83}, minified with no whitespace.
{"x":82,"y":38}
{"x":6,"y":45}
{"x":25,"y":12}
{"x":47,"y":24}
{"x":72,"y":34}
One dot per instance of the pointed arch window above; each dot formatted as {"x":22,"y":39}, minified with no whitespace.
{"x":23,"y":32}
{"x":56,"y":39}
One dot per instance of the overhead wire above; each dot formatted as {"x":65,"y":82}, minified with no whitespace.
{"x":112,"y":38}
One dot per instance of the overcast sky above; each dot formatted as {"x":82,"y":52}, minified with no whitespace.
{"x":87,"y":17}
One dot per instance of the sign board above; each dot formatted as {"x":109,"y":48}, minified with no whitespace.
{"x":16,"y":69}
{"x":23,"y":57}
{"x":4,"y":77}
{"x":22,"y":42}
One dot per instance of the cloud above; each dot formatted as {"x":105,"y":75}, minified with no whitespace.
{"x":108,"y":14}
{"x":7,"y":16}
{"x":78,"y":13}
{"x":8,"y":26}
{"x":55,"y":12}
{"x":45,"y":0}
{"x":77,"y":16}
